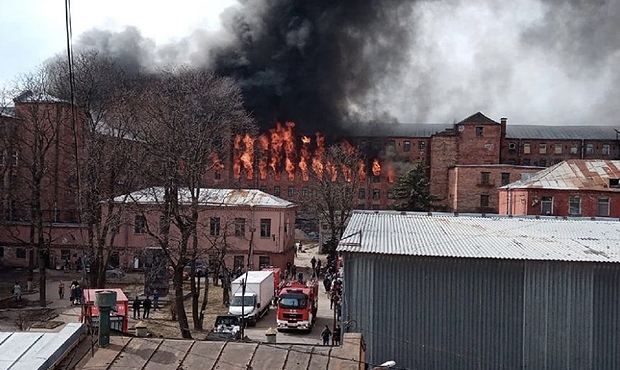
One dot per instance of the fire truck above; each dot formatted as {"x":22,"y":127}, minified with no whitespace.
{"x":297,"y":306}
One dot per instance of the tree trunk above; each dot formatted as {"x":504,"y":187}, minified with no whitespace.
{"x":180,"y":306}
{"x":42,"y":279}
{"x":205,"y":301}
{"x":195,"y":295}
{"x":226,"y":288}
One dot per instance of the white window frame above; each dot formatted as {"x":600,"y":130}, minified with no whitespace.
{"x":570,"y":205}
{"x":542,"y":206}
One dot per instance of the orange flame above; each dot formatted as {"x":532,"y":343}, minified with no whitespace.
{"x":289,"y":150}
{"x":305,"y":155}
{"x":236,"y":159}
{"x":263,"y":144}
{"x":247,"y":158}
{"x":347,"y":173}
{"x":276,"y":147}
{"x":361,"y":170}
{"x":391,"y":174}
{"x":332,"y":171}
{"x":317,"y":160}
{"x":216,"y":161}
{"x":376,"y":167}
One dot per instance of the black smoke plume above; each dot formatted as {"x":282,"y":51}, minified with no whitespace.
{"x":314,"y":62}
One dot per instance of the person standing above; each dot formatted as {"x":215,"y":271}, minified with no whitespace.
{"x":313,"y":263}
{"x":147,"y":307}
{"x":336,"y":336}
{"x":136,"y":308}
{"x":17,"y":292}
{"x":61,"y":290}
{"x":156,"y":300}
{"x":318,"y":268}
{"x":325,"y":334}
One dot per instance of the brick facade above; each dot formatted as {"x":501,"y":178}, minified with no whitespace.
{"x":473,"y":188}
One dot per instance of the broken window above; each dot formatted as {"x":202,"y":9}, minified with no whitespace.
{"x":479,"y":131}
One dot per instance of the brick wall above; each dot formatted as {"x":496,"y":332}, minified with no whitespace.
{"x":443,"y":155}
{"x":471,"y":191}
{"x":548,"y":152}
{"x":529,"y":202}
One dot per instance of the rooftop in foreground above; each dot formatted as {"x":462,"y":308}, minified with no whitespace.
{"x":466,"y":236}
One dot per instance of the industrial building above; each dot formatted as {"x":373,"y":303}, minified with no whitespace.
{"x":438,"y":291}
{"x":586,"y":188}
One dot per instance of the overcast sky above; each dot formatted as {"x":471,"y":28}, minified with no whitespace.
{"x":34,"y":30}
{"x":533,"y":61}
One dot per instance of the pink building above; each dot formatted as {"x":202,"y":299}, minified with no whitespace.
{"x":230,"y":222}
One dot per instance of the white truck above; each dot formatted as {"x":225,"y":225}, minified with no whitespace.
{"x":259,"y":292}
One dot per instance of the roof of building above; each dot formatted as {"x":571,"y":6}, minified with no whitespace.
{"x":573,"y":174}
{"x":7,"y":111}
{"x":34,"y":350}
{"x":396,"y":129}
{"x":151,"y":353}
{"x":29,"y":96}
{"x":480,"y":118}
{"x":444,"y":235}
{"x":584,"y":132}
{"x":209,"y":197}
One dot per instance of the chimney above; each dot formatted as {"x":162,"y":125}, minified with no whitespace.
{"x":502,"y":124}
{"x":503,"y":120}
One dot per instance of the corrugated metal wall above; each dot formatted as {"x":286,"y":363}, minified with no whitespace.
{"x":448,"y":313}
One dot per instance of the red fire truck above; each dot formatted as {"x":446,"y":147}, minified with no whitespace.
{"x":297,"y":306}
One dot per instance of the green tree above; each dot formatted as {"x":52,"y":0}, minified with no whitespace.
{"x":412,"y":190}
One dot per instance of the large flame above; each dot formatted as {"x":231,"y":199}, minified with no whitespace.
{"x":391,"y":174}
{"x":263,"y":145}
{"x":277,"y":136}
{"x":237,"y":160}
{"x":376,"y":167}
{"x":317,"y":159}
{"x":247,"y":158}
{"x":289,"y":150}
{"x":361,"y":170}
{"x":305,"y":155}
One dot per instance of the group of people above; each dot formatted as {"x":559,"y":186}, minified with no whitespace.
{"x":326,"y":334}
{"x":76,"y":292}
{"x":316,"y":267}
{"x":146,"y":304}
{"x":291,"y":271}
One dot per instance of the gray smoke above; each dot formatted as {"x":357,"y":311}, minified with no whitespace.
{"x":324,"y":63}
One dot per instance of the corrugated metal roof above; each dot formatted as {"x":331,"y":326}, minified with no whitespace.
{"x":585,"y":132}
{"x":154,"y":353}
{"x":33,"y":350}
{"x":209,"y":197}
{"x":573,"y":174}
{"x":443,"y":235}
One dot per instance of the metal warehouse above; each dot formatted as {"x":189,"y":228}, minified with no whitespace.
{"x":462,"y":292}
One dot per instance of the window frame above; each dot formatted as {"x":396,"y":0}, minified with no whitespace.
{"x":486,"y":199}
{"x":479,"y":131}
{"x":20,"y":253}
{"x":361,"y":193}
{"x":485,"y":178}
{"x":239,"y":223}
{"x":376,"y":194}
{"x":548,"y":201}
{"x":571,"y":204}
{"x":505,"y":179}
{"x":139,"y":224}
{"x":276,"y":190}
{"x":265,"y":227}
{"x":598,"y":206}
{"x":527,"y":148}
{"x":406,"y":145}
{"x":215,"y":226}
{"x":542,"y":148}
{"x":606,"y":149}
{"x":555,"y":148}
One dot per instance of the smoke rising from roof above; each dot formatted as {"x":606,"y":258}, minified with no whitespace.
{"x":325,"y":63}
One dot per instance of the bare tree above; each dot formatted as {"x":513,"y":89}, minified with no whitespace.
{"x":186,"y":115}
{"x":40,"y":149}
{"x":333,"y":188}
{"x":103,"y":98}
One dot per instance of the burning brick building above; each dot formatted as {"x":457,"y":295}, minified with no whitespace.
{"x":466,"y":161}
